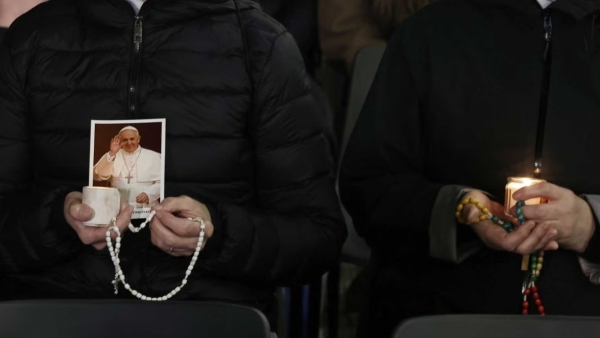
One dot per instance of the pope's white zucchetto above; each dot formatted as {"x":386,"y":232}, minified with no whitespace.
{"x":129,"y":128}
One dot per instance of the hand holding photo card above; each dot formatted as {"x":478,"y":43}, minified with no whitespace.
{"x":128,"y":155}
{"x":123,"y":168}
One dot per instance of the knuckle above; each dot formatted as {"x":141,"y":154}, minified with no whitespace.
{"x":85,"y":239}
{"x":186,"y":200}
{"x":168,"y":201}
{"x":507,"y":247}
{"x":190,"y":229}
{"x":99,"y":246}
{"x":168,"y":242}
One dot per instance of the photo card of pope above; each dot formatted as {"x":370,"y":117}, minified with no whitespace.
{"x":130,"y":155}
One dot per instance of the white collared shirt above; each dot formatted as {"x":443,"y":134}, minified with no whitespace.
{"x":545,"y":3}
{"x":136,"y":4}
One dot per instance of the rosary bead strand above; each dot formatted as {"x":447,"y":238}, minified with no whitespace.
{"x":536,"y":260}
{"x":143,"y":225}
{"x":120,"y":276}
{"x":486,"y":214}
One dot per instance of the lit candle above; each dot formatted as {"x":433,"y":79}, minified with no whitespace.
{"x":516,"y":183}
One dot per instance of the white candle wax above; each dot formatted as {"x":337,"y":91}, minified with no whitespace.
{"x":104,"y":201}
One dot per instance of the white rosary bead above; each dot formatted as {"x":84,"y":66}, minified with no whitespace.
{"x":114,"y":253}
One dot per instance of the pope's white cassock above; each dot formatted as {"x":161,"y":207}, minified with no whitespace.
{"x":133,"y":174}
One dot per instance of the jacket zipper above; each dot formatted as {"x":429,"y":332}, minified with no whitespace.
{"x":539,"y":141}
{"x":132,"y":104}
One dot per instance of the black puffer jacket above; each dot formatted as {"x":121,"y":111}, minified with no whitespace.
{"x":242,"y":137}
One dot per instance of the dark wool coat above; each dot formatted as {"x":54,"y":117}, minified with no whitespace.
{"x":457,"y":101}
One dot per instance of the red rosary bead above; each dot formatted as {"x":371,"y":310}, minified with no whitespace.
{"x":536,"y":295}
{"x":534,"y":288}
{"x":527,"y":291}
{"x":525,"y":312}
{"x":538,"y":302}
{"x":525,"y":304}
{"x":541,"y":309}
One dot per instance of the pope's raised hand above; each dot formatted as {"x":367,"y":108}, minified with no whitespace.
{"x":76,"y":213}
{"x":115,"y":145}
{"x":142,"y":198}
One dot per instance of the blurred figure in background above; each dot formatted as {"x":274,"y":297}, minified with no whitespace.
{"x":300,"y":18}
{"x":346,"y":26}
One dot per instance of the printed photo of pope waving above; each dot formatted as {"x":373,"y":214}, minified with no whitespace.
{"x":135,"y":170}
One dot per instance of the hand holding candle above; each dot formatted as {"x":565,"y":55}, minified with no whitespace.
{"x":76,"y":213}
{"x":566,"y":212}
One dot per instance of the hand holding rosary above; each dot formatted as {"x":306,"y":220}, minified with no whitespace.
{"x":531,"y":264}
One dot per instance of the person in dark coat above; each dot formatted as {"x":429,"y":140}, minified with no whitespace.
{"x":468,"y":93}
{"x":244,"y":150}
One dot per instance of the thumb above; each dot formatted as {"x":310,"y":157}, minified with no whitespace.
{"x":553,"y":245}
{"x":82,"y":212}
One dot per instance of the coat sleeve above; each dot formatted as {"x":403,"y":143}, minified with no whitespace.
{"x":592,"y":252}
{"x":295,"y":231}
{"x":33,"y":231}
{"x":383,"y":181}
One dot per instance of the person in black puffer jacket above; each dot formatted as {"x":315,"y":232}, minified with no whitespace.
{"x":243,"y":144}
